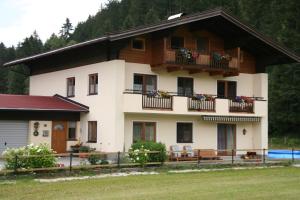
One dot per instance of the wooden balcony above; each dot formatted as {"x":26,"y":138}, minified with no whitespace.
{"x":238,"y":107}
{"x":157,"y":102}
{"x":216,"y":63}
{"x":201,"y":105}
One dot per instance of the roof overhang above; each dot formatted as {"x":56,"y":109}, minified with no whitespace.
{"x":212,"y":19}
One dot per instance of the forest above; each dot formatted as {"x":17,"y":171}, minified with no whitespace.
{"x":278,"y":19}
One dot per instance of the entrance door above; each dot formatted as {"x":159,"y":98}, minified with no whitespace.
{"x":226,"y":138}
{"x":59,"y":136}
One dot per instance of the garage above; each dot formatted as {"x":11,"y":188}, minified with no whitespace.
{"x":13,"y":134}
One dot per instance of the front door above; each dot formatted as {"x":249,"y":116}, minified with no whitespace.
{"x":59,"y":136}
{"x":226,"y":139}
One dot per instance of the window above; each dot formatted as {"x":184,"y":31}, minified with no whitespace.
{"x":93,"y":84}
{"x":144,"y":131}
{"x":92,"y":131}
{"x":177,"y":42}
{"x":227,"y":89}
{"x":184,"y":132}
{"x":144,"y":83}
{"x":71,"y":87}
{"x":72,"y":130}
{"x":138,"y":44}
{"x":185,"y":86}
{"x":202,"y":44}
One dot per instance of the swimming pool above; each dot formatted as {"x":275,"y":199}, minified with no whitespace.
{"x":283,"y":154}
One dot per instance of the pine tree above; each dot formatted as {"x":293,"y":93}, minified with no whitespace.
{"x":66,"y":29}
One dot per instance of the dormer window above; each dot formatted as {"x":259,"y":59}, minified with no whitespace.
{"x":71,"y":87}
{"x":177,"y":42}
{"x":138,"y":44}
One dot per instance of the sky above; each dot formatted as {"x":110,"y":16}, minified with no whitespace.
{"x":20,"y":18}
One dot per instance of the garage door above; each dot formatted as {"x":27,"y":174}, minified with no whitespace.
{"x":13,"y":134}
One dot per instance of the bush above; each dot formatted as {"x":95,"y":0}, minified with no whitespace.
{"x":30,"y":156}
{"x":152,"y":146}
{"x":84,"y":149}
{"x":94,"y":159}
{"x":139,"y":155}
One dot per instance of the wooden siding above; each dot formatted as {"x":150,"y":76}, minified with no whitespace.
{"x":137,"y":56}
{"x":156,"y":49}
{"x":247,"y":64}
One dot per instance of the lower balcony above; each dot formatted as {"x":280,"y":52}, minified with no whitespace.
{"x":241,"y":106}
{"x":181,"y":105}
{"x":201,"y":104}
{"x":157,"y":102}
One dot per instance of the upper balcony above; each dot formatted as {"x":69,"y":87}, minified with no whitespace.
{"x":168,"y":103}
{"x":215,"y":62}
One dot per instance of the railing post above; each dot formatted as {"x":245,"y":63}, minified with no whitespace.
{"x":16,"y":164}
{"x":264,"y":156}
{"x":232,"y":156}
{"x":71,"y":159}
{"x":293,"y":159}
{"x":198,"y":157}
{"x":118,"y":161}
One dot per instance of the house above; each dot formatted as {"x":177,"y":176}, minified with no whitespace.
{"x":197,"y":79}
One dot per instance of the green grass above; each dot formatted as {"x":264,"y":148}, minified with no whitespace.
{"x":271,"y":183}
{"x":281,"y":143}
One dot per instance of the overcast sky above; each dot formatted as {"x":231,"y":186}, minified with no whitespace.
{"x":19,"y":18}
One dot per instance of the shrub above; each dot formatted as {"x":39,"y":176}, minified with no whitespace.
{"x":84,"y":149}
{"x":161,"y":156}
{"x":30,"y":156}
{"x":139,"y":155}
{"x":94,"y":159}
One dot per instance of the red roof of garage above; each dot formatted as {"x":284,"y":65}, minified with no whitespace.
{"x":40,"y":103}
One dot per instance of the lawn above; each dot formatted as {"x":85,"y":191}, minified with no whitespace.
{"x":275,"y":183}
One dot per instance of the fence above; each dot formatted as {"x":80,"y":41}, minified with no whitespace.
{"x":197,"y":157}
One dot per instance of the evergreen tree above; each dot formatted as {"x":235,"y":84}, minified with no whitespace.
{"x":66,"y":29}
{"x":151,"y":17}
{"x":54,"y":42}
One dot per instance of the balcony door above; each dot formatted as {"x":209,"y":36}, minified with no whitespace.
{"x":227,"y":89}
{"x":143,"y":83}
{"x":185,"y":86}
{"x":226,"y":139}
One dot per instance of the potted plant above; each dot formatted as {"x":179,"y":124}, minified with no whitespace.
{"x":75,"y":148}
{"x":84,"y":151}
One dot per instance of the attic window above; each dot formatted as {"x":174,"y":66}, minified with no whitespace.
{"x":177,"y":42}
{"x":202,"y":44}
{"x":138,"y":44}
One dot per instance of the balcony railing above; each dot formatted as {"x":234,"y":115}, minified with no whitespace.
{"x":157,"y":102}
{"x":201,"y":105}
{"x":225,"y":61}
{"x":236,"y":106}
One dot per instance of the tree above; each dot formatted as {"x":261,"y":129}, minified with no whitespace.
{"x":54,"y":42}
{"x":66,"y":29}
{"x":151,"y":17}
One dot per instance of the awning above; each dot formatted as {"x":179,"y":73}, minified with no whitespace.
{"x":219,"y":118}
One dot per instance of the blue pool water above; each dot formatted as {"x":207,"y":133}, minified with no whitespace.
{"x":283,"y":154}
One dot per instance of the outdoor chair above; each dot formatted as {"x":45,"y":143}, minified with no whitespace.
{"x":176,"y":152}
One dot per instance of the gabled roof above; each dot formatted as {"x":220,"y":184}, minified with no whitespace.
{"x":218,"y":14}
{"x":40,"y":103}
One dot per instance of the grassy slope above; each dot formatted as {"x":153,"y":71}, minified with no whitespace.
{"x":277,"y":183}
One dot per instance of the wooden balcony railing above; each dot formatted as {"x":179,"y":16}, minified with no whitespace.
{"x":235,"y":106}
{"x":210,"y":61}
{"x":201,"y":105}
{"x":157,"y":102}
